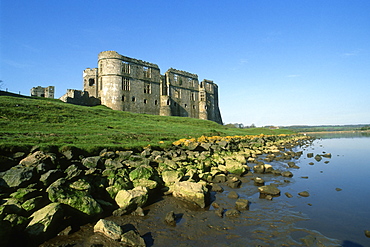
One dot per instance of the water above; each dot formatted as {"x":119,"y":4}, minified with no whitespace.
{"x":339,"y":201}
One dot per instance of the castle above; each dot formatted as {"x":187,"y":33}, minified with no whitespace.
{"x":128,"y":84}
{"x":47,"y":92}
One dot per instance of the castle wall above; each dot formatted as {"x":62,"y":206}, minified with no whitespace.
{"x":46,"y":92}
{"x":129,"y":84}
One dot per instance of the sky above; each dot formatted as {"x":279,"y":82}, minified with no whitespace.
{"x":277,"y":62}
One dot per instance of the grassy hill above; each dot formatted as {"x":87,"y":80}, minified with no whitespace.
{"x":26,"y":122}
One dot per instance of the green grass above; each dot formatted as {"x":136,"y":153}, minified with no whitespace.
{"x":26,"y":122}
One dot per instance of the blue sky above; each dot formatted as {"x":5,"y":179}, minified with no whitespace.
{"x":275,"y":62}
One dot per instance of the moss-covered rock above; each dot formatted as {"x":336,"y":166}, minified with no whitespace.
{"x":131,"y":199}
{"x":144,"y":171}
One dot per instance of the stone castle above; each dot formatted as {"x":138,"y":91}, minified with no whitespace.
{"x":128,"y":84}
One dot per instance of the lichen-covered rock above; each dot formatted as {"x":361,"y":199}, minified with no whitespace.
{"x":34,"y":203}
{"x":269,"y":190}
{"x":171,"y":176}
{"x":235,"y":167}
{"x":17,"y":222}
{"x":109,"y":229}
{"x":50,"y":176}
{"x":23,"y":194}
{"x":193,"y":192}
{"x":92,"y":162}
{"x":147,"y":183}
{"x":45,"y":220}
{"x":131,"y":199}
{"x":72,"y":172}
{"x":63,"y":192}
{"x":19,"y":176}
{"x":143,"y":171}
{"x":36,"y":158}
{"x":133,"y":238}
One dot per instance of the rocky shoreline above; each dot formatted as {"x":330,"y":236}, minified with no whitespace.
{"x":48,"y":194}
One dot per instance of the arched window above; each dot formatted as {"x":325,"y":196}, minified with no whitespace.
{"x":91,"y":82}
{"x":133,"y":99}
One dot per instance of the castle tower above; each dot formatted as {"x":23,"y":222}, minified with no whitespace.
{"x":203,"y":114}
{"x":90,"y":81}
{"x":110,"y":79}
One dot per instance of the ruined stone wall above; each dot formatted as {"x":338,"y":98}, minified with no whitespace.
{"x":46,"y":92}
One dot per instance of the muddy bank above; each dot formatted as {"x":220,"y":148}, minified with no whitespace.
{"x":193,"y":179}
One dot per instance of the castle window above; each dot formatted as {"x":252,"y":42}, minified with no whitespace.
{"x":177,"y":93}
{"x":125,"y":83}
{"x":147,"y":72}
{"x":194,"y":107}
{"x":91,"y":82}
{"x":145,"y":101}
{"x":155,"y":102}
{"x":168,"y":102}
{"x":175,"y":77}
{"x":190,"y":81}
{"x":192,"y":97}
{"x":186,"y":106}
{"x":125,"y":67}
{"x":147,"y":88}
{"x":133,"y":99}
{"x":202,"y":96}
{"x":123,"y":97}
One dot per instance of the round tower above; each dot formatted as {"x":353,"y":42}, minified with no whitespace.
{"x":110,"y":79}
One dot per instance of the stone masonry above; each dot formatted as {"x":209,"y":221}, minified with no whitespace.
{"x":46,"y":92}
{"x":129,"y":84}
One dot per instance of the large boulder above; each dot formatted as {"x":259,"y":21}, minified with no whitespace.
{"x":131,"y":199}
{"x":37,"y":158}
{"x":75,"y":195}
{"x":45,"y":221}
{"x":193,"y":192}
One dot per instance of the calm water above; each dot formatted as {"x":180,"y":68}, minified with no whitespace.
{"x":343,"y":214}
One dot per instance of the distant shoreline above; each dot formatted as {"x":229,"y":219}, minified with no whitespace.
{"x":334,"y":132}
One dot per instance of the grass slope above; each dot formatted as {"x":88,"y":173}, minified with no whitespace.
{"x":25,"y":122}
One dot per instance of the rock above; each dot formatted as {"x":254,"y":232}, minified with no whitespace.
{"x":46,"y":221}
{"x":233,"y":195}
{"x":268,"y":168}
{"x":109,"y":229}
{"x":72,"y":172}
{"x":220,"y":212}
{"x":131,"y":199}
{"x":288,"y":195}
{"x":92,"y":162}
{"x":219,"y":178}
{"x":217,"y":188}
{"x":75,"y":195}
{"x":215,"y":205}
{"x":327,"y":155}
{"x":37,"y":158}
{"x":304,"y":194}
{"x":367,"y":233}
{"x":235,"y":167}
{"x":34,"y":203}
{"x":338,"y":189}
{"x":269,"y":190}
{"x":19,"y":176}
{"x":318,"y":157}
{"x":242,"y":204}
{"x":144,"y":171}
{"x":138,"y":212}
{"x":234,"y":182}
{"x":6,"y":163}
{"x":259,"y":168}
{"x":287,"y":174}
{"x":232,"y":213}
{"x":133,"y":238}
{"x":170,"y":218}
{"x":149,"y":184}
{"x":196,"y":193}
{"x":50,"y":176}
{"x":66,"y":231}
{"x":259,"y":181}
{"x":292,"y":165}
{"x":17,"y":222}
{"x":309,"y":155}
{"x":170,"y":177}
{"x":23,"y":194}
{"x":269,"y":197}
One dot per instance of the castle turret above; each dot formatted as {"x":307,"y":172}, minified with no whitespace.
{"x":110,"y":79}
{"x":203,"y":114}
